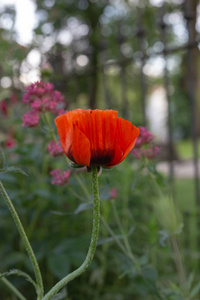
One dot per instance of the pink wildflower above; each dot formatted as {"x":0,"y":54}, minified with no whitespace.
{"x":145,"y":137}
{"x":54,"y":148}
{"x":41,"y":94}
{"x":10,"y":141}
{"x":136,"y":153}
{"x":37,"y":105}
{"x":151,"y":152}
{"x":113,"y":193}
{"x":30,"y":119}
{"x":59,"y":177}
{"x":4,"y":108}
{"x":59,"y":111}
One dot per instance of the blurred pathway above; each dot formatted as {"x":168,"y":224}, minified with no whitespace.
{"x":182,"y":169}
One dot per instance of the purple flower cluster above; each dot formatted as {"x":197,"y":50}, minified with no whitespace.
{"x":54,"y":148}
{"x":30,"y":119}
{"x":144,"y":147}
{"x":145,"y":137}
{"x":40,"y":96}
{"x":151,"y":152}
{"x":59,"y":177}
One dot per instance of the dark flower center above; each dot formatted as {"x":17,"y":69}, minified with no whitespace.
{"x":101,"y":157}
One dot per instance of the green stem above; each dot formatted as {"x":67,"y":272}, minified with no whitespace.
{"x":25,"y":240}
{"x":120,"y":245}
{"x":93,"y":243}
{"x":126,"y":241}
{"x":82,"y":186}
{"x":76,"y":194}
{"x":104,"y":250}
{"x":13,"y":289}
{"x":49,"y":126}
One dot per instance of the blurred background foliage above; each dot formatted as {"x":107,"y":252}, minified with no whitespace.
{"x":99,"y":54}
{"x":93,"y":52}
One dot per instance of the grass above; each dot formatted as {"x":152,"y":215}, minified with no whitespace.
{"x":185,"y":149}
{"x":185,"y":194}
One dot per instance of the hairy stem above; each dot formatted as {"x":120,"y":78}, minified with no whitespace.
{"x":93,"y":243}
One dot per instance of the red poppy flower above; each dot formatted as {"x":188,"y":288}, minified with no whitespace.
{"x":95,"y":137}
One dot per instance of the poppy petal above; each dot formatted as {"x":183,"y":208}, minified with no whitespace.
{"x":80,"y":148}
{"x":104,"y":126}
{"x":65,"y":130}
{"x":118,"y":154}
{"x":126,"y":137}
{"x":96,"y":137}
{"x":100,"y":129}
{"x":64,"y":124}
{"x":127,"y":134}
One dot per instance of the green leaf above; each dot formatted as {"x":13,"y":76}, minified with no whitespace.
{"x":109,"y":240}
{"x":13,"y":169}
{"x":82,"y":207}
{"x":61,"y":295}
{"x":13,"y":259}
{"x":150,"y":273}
{"x":195,"y":290}
{"x":59,"y":265}
{"x":132,"y":271}
{"x":144,"y":259}
{"x":190,"y":281}
{"x":59,"y":213}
